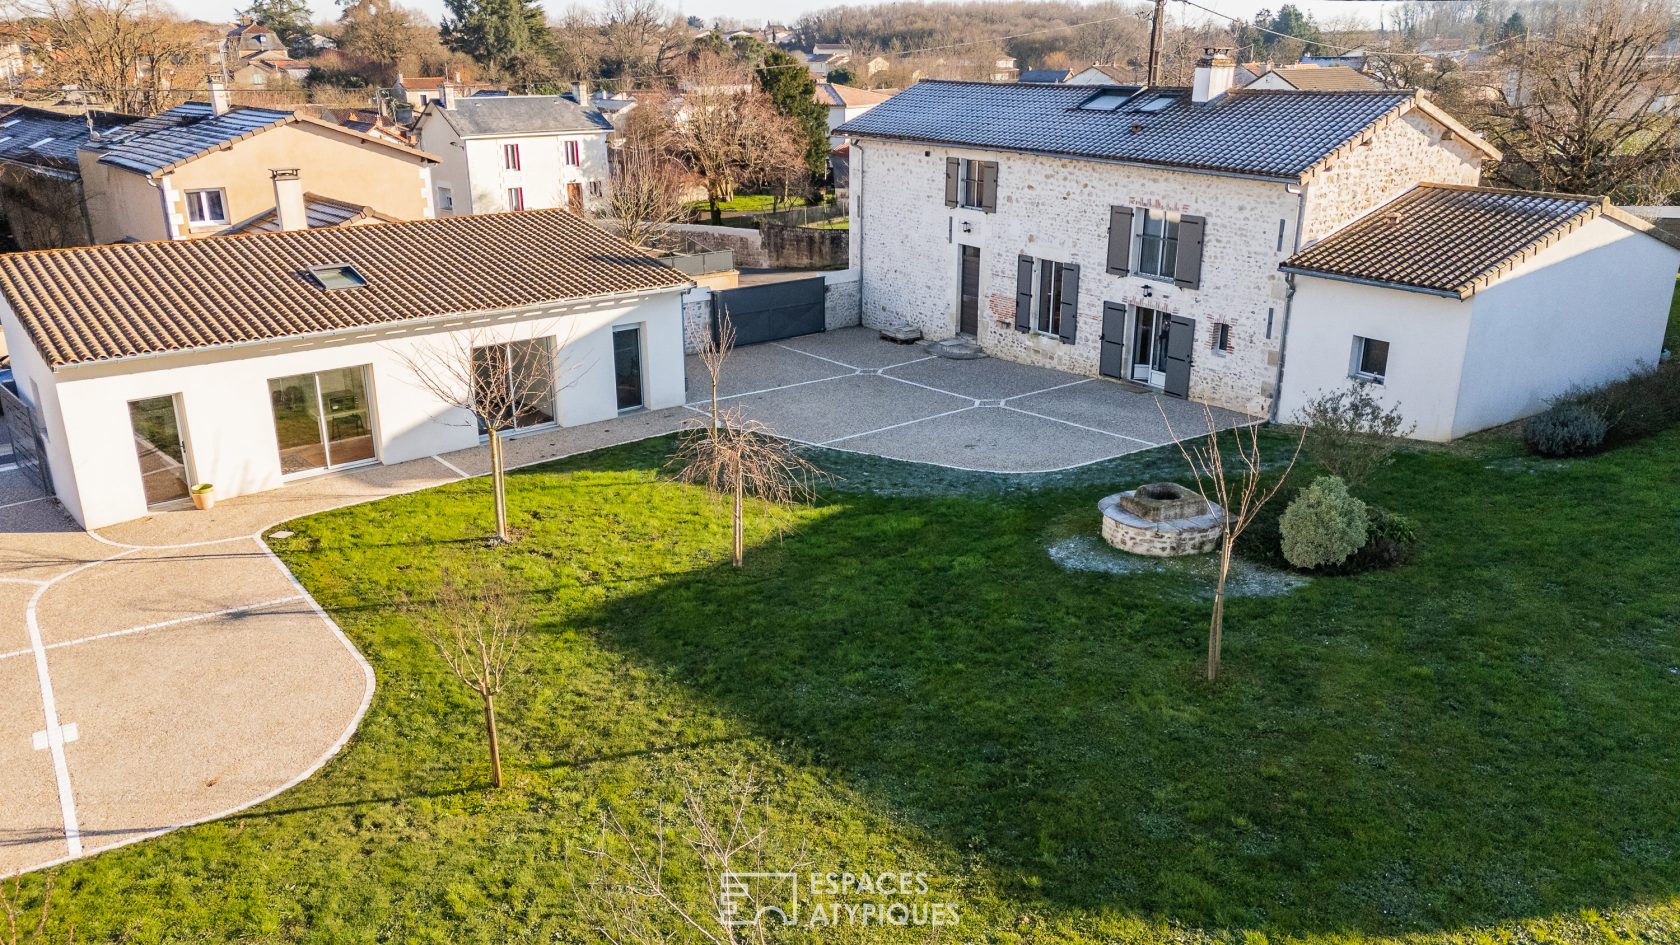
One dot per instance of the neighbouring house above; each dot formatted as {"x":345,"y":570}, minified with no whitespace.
{"x":40,"y":181}
{"x":1103,"y":75}
{"x":845,"y":103}
{"x":1121,"y":232}
{"x":824,"y":57}
{"x":1314,"y":79}
{"x":1045,"y":75}
{"x":515,"y":152}
{"x":296,"y":209}
{"x":259,"y":70}
{"x":251,"y":362}
{"x":1004,"y":69}
{"x":1463,"y":306}
{"x":876,"y":64}
{"x":247,"y":36}
{"x":199,"y":168}
{"x":421,"y":90}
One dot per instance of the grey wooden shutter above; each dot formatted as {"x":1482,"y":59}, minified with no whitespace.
{"x":1120,"y":241}
{"x":1188,"y":272}
{"x":988,"y":186}
{"x":1068,"y":276}
{"x":953,"y":180}
{"x":1023,"y":293}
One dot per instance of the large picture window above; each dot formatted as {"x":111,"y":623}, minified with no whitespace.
{"x":322,"y":420}
{"x":514,"y":383}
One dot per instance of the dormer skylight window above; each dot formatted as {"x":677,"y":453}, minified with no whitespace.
{"x":1156,"y":104}
{"x":339,"y":276}
{"x":8,"y":124}
{"x":1104,"y":101}
{"x":46,"y":140}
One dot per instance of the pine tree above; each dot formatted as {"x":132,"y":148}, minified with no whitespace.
{"x":510,"y":36}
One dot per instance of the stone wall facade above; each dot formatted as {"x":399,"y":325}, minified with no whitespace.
{"x":803,"y":247}
{"x":696,"y":319}
{"x":840,"y":306}
{"x":907,"y":245}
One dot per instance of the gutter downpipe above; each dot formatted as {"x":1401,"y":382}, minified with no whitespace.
{"x":1300,"y":190}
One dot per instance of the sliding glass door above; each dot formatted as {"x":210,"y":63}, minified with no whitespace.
{"x":322,"y":420}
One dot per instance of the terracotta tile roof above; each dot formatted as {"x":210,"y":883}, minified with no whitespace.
{"x":833,"y":95}
{"x":1326,"y":78}
{"x":101,"y":303}
{"x":1451,"y":241}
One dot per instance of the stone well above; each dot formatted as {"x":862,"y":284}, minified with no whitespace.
{"x":1161,"y":519}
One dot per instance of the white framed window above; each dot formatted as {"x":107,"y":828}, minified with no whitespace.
{"x":515,"y":384}
{"x":1370,"y":359}
{"x":594,"y":188}
{"x":206,"y":207}
{"x":516,"y":198}
{"x":445,"y":201}
{"x":574,"y":155}
{"x":1049,"y":282}
{"x":1157,"y":253}
{"x":510,"y":157}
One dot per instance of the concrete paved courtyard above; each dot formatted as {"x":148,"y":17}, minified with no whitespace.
{"x":850,"y":390}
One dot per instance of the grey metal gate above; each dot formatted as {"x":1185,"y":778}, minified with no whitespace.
{"x":772,"y":311}
{"x":29,"y":449}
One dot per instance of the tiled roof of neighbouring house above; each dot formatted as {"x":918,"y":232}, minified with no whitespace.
{"x":1326,"y":78}
{"x":518,"y":114}
{"x":832,"y":95}
{"x":1044,"y":75}
{"x":167,"y":140}
{"x":100,"y":303}
{"x":319,"y":211}
{"x":1277,"y":134}
{"x":1451,"y":241}
{"x":48,"y":141}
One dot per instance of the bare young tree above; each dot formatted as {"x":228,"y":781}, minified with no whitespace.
{"x":727,"y":129}
{"x":714,"y":351}
{"x":478,"y":632}
{"x":639,"y":896}
{"x":1589,"y":113}
{"x":503,"y":385}
{"x":1239,"y":488}
{"x":648,"y":183}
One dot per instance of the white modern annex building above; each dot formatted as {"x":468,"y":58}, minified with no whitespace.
{"x":1468,"y":307}
{"x":250,"y":361}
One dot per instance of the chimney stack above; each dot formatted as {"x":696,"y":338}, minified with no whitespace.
{"x":1215,"y":72}
{"x":580,"y":92}
{"x":220,"y":100}
{"x":446,"y":94}
{"x":289,"y":210}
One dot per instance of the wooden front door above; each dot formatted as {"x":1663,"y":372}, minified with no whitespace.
{"x":574,"y":198}
{"x":1181,"y":342}
{"x":968,"y":314}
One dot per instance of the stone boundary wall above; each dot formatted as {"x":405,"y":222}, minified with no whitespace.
{"x":842,"y":307}
{"x":800,"y":247}
{"x":746,"y":244}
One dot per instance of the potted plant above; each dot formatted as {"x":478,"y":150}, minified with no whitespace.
{"x":204,"y":496}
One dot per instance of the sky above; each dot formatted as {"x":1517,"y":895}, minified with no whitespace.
{"x":758,"y":11}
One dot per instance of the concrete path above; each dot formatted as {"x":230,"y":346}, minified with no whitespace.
{"x":850,"y":390}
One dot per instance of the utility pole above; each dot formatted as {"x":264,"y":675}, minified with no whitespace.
{"x":1154,"y":78}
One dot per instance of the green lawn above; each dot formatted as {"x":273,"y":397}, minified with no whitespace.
{"x":1480,"y":747}
{"x":752,"y":203}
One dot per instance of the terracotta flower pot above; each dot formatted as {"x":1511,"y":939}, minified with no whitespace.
{"x":204,"y":499}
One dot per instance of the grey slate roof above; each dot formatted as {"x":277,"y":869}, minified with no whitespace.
{"x":1278,"y":134}
{"x":1044,"y":75}
{"x":183,"y":132}
{"x":48,"y":141}
{"x":1450,"y":240}
{"x":518,"y":114}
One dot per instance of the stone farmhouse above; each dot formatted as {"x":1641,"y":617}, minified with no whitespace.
{"x":1141,"y":234}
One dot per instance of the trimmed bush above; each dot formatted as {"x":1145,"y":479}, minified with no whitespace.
{"x":1388,"y":543}
{"x":1324,"y":525}
{"x":1566,"y":429}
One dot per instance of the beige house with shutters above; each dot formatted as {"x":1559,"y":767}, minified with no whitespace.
{"x":1125,"y":232}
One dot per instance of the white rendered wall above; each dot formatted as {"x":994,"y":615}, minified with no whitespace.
{"x":1426,"y":337}
{"x":228,"y":421}
{"x":543,"y":172}
{"x":1588,"y":309}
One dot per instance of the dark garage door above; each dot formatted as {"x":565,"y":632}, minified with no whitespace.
{"x":772,"y":311}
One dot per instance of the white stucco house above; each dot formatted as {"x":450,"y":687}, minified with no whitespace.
{"x":1470,"y":307}
{"x":515,"y":152}
{"x":845,"y":103}
{"x":248,"y":362}
{"x":1142,"y":234}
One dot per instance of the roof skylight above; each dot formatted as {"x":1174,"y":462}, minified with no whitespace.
{"x":340,"y":276}
{"x":1156,"y":104}
{"x":1104,"y":101}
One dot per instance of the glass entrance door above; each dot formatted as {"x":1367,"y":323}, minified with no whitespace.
{"x":1149,"y":347}
{"x":322,"y":420}
{"x":627,"y":366}
{"x":161,"y":449}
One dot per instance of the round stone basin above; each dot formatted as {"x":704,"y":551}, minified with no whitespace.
{"x":1161,"y":520}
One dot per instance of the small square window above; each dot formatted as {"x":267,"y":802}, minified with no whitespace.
{"x":1221,"y":337}
{"x":206,"y":207}
{"x":1370,"y":359}
{"x":340,"y":276}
